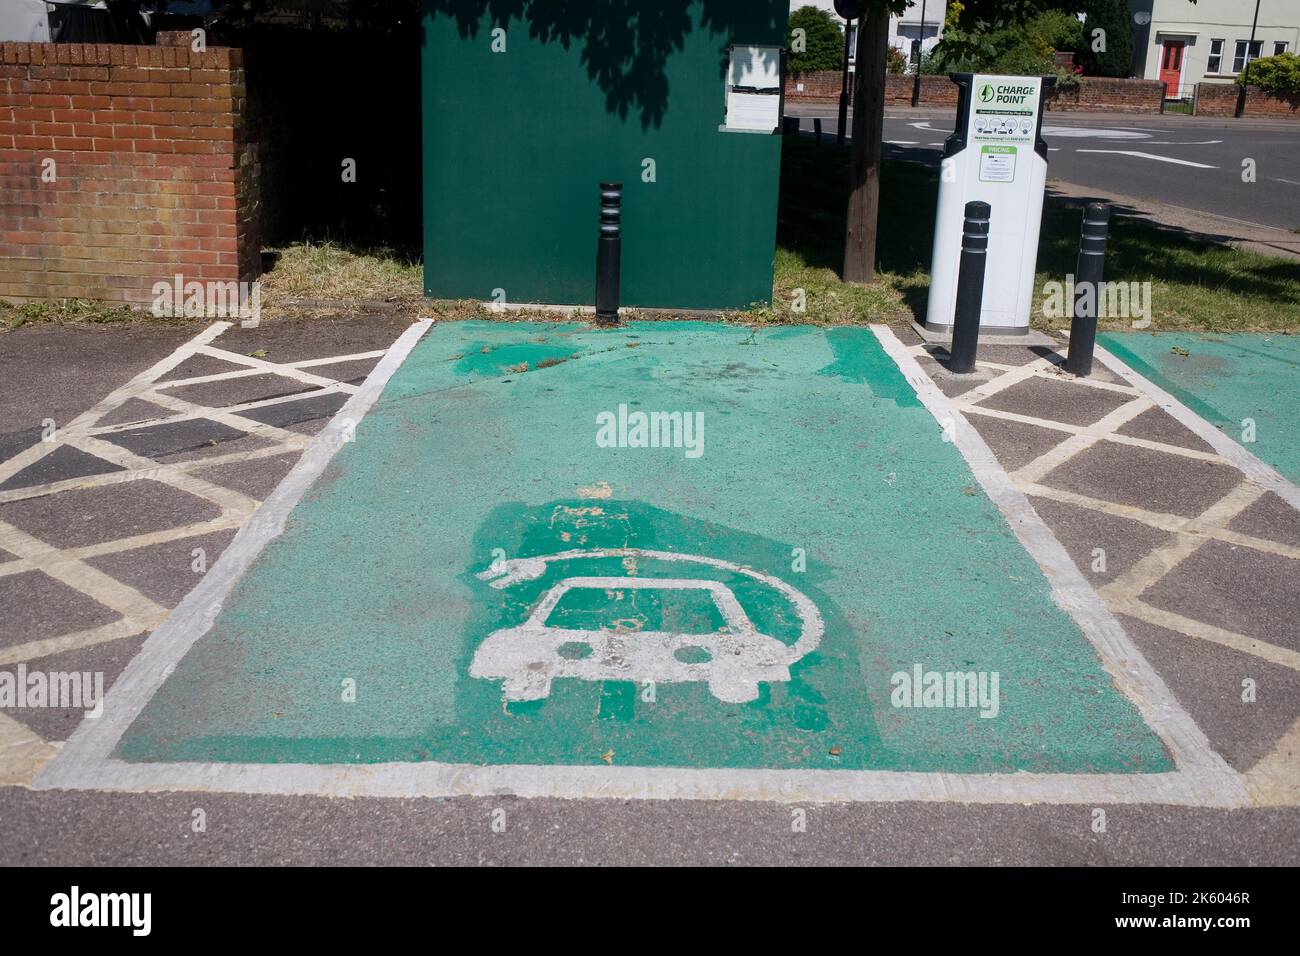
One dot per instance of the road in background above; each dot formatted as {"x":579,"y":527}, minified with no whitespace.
{"x":1191,"y":162}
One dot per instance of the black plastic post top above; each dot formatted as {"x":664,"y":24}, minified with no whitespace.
{"x":1096,"y":229}
{"x":975,"y":230}
{"x":611,"y":212}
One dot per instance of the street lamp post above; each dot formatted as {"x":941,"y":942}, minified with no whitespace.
{"x":844,"y":86}
{"x":920,"y":51}
{"x":1245,"y":69}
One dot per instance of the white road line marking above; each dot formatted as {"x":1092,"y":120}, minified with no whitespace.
{"x":1132,"y":674}
{"x":1141,"y":155}
{"x":1114,"y":437}
{"x":1274,"y":782}
{"x":247,"y":372}
{"x":34,"y":650}
{"x":22,"y":753}
{"x":202,"y":412}
{"x":85,"y":762}
{"x":133,"y":474}
{"x":119,"y":396}
{"x":66,"y":569}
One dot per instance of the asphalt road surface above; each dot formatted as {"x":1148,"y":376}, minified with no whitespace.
{"x":1190,"y":162}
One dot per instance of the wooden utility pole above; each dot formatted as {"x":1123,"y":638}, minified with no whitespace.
{"x":864,"y":161}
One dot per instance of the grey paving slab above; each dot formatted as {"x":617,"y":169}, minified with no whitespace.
{"x":1236,"y":588}
{"x":1155,"y":424}
{"x":34,"y":606}
{"x":301,"y":340}
{"x":353,"y":373}
{"x":307,"y":410}
{"x":63,"y":463}
{"x":218,"y":449}
{"x":58,"y":372}
{"x":950,"y":384}
{"x":103,"y":662}
{"x":165,"y":572}
{"x":197,"y":366}
{"x":256,"y":478}
{"x":1082,"y":531}
{"x":1208,"y":680}
{"x":86,"y":516}
{"x":134,"y":410}
{"x":1058,"y":400}
{"x":1152,"y":480}
{"x":155,"y":441}
{"x":1017,"y":443}
{"x":236,"y":391}
{"x":1270,"y":518}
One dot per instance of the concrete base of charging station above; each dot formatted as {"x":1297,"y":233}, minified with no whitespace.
{"x":942,"y":335}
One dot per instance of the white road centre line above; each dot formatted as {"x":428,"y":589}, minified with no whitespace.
{"x":1141,"y":155}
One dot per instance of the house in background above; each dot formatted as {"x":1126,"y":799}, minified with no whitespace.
{"x":24,"y":21}
{"x":904,"y":31}
{"x":1182,"y":43}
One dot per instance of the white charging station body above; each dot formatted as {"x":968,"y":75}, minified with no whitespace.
{"x":996,"y":153}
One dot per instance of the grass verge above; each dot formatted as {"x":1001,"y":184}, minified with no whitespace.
{"x":1196,"y":284}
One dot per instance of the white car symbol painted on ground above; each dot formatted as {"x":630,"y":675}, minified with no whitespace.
{"x":733,"y":660}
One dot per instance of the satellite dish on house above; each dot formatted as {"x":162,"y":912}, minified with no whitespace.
{"x":1141,"y":18}
{"x":849,"y":9}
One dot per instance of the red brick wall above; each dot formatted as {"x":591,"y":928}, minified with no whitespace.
{"x":1097,"y":94}
{"x":1220,"y":99}
{"x":935,"y":90}
{"x":154,"y":174}
{"x":1100,"y":94}
{"x":824,"y":88}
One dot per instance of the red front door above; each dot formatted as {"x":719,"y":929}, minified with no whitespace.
{"x":1171,"y":67}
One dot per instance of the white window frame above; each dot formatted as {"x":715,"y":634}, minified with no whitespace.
{"x":1280,"y":47}
{"x":1239,"y":57}
{"x":1214,"y":60}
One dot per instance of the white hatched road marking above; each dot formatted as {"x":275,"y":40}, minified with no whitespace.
{"x":23,"y":752}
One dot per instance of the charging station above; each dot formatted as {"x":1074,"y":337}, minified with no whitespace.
{"x":996,"y":154}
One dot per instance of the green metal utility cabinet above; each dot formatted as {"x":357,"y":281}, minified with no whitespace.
{"x":529,"y":104}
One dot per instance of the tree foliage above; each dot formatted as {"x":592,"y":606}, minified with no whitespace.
{"x":822,"y":39}
{"x":1278,"y":74}
{"x":1112,"y":17}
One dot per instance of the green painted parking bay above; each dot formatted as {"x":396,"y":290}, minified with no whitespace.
{"x":662,"y":545}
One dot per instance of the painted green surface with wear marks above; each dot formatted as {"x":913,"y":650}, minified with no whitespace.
{"x":1227,"y":379}
{"x":499,"y":585}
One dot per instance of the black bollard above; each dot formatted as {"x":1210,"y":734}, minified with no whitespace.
{"x":970,"y":287}
{"x":817,"y":130}
{"x":609,"y":253}
{"x":790,"y":126}
{"x":1088,"y":287}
